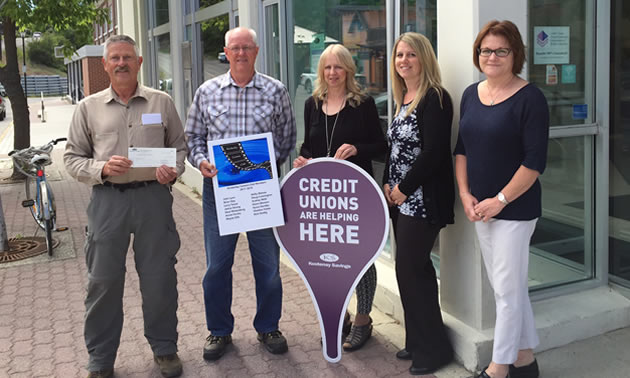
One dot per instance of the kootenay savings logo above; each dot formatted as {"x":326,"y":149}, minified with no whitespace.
{"x":328,"y":257}
{"x":542,"y":38}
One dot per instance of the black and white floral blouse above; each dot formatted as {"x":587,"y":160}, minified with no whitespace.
{"x":403,"y":136}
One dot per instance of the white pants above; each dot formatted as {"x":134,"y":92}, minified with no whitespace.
{"x":505,"y":249}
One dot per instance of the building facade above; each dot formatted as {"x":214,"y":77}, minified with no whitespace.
{"x":578,"y":54}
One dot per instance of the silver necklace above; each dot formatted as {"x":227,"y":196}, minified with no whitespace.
{"x":332,"y":133}
{"x":499,"y":92}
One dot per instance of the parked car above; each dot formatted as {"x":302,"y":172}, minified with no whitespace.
{"x":37,"y":35}
{"x":3,"y":92}
{"x":3,"y":109}
{"x":222,"y":58}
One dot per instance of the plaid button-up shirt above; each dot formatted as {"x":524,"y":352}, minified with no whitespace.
{"x":221,"y":109}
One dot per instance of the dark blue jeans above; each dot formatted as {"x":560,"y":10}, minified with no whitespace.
{"x":217,"y":282}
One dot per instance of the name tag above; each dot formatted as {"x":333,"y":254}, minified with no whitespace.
{"x":151,"y":118}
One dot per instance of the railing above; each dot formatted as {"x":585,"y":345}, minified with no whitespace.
{"x":49,"y":84}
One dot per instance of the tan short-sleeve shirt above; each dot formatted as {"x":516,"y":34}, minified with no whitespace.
{"x":103,"y":126}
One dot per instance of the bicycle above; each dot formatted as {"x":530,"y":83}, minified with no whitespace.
{"x":40,"y":200}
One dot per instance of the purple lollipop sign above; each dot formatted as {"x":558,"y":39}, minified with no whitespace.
{"x":336,"y":225}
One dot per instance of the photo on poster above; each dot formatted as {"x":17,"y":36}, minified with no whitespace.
{"x":246,"y":188}
{"x":242,"y":162}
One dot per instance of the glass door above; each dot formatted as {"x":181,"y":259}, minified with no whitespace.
{"x":273,"y":40}
{"x":561,"y":62}
{"x":619,"y":169}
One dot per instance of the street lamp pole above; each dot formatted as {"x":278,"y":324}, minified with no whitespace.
{"x":24,"y":65}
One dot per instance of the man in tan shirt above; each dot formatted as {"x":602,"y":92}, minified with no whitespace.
{"x":127,"y":200}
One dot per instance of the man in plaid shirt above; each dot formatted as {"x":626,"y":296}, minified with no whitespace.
{"x":238,"y":103}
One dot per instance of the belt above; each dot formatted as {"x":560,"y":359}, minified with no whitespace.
{"x":130,"y":185}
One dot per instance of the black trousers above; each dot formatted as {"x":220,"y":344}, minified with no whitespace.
{"x":425,"y":335}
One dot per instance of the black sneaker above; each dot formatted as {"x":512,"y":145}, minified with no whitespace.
{"x":274,"y":342}
{"x":215,"y":346}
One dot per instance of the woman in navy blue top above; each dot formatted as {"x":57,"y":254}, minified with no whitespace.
{"x":501,"y":150}
{"x":419,"y":186}
{"x":342,"y":122}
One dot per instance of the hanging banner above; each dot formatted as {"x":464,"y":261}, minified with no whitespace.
{"x":336,"y":225}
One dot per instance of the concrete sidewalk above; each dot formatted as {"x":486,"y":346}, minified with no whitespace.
{"x":41,"y":306}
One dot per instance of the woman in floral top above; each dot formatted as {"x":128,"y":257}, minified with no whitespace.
{"x":419,"y":186}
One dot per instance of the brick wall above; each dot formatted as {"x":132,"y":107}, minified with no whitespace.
{"x":95,"y":78}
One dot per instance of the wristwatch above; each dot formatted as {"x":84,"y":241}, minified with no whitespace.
{"x":501,"y":197}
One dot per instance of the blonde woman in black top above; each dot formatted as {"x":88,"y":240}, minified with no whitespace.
{"x":340,"y":121}
{"x":419,"y":185}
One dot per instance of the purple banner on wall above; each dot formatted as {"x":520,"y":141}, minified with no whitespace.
{"x":336,"y":225}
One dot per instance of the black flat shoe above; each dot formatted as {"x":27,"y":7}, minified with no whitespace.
{"x":403,"y":354}
{"x":527,"y":371}
{"x":429,"y":367}
{"x":483,"y":374}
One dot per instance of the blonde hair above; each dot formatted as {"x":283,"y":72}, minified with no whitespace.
{"x":354,"y":94}
{"x":429,"y":71}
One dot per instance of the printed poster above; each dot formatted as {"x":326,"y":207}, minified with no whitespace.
{"x":246,"y":188}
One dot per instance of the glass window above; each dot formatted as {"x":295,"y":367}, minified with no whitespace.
{"x":619,"y":164}
{"x":213,"y":31}
{"x":163,"y":62}
{"x":560,"y":57}
{"x":207,"y":3}
{"x":561,"y":247}
{"x":420,"y":16}
{"x":161,"y":12}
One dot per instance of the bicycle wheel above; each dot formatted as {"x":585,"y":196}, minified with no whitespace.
{"x":31,"y":194}
{"x":47,"y":212}
{"x":48,"y":226}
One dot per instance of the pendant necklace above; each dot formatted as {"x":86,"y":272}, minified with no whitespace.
{"x":332,"y":133}
{"x":499,"y":92}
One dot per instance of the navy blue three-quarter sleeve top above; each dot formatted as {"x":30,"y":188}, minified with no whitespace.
{"x":497,"y":140}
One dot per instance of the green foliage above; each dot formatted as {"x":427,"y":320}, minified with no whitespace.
{"x":72,"y":16}
{"x":213,"y":33}
{"x":43,"y":51}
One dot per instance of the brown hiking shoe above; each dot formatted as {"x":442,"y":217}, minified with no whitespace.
{"x":170,"y":365}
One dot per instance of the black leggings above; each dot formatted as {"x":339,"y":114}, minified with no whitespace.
{"x":425,"y":335}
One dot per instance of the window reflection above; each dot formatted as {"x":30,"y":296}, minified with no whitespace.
{"x":619,"y":182}
{"x":161,"y":12}
{"x":213,"y":31}
{"x":561,"y":248}
{"x":165,"y":75}
{"x":420,"y":17}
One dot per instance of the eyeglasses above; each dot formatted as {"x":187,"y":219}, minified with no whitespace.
{"x":245,"y":49}
{"x":501,"y":53}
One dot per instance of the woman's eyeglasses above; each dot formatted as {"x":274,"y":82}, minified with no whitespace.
{"x":501,"y":53}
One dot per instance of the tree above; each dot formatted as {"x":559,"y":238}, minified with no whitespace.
{"x":77,"y":15}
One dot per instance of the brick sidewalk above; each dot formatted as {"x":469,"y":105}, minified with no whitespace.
{"x":41,"y":309}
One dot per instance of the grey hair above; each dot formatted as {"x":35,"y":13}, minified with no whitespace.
{"x":252,"y":33}
{"x":120,"y":38}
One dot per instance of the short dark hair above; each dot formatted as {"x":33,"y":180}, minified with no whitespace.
{"x":510,"y":32}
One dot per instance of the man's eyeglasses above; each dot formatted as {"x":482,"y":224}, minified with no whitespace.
{"x":501,"y":53}
{"x":245,"y":49}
